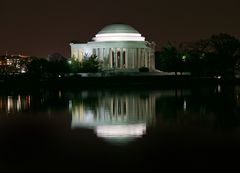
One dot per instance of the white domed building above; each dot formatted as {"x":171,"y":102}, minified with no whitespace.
{"x":119,"y":47}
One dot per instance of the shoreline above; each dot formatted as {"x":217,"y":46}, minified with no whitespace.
{"x":77,"y":81}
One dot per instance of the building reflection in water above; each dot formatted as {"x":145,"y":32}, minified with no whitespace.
{"x":237,"y":95}
{"x":12,"y":104}
{"x":115,"y":116}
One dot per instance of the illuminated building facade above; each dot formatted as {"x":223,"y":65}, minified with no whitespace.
{"x":14,"y":63}
{"x":116,"y":116}
{"x":119,"y":47}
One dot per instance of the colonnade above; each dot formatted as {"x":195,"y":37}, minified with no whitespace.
{"x":115,"y":108}
{"x":124,"y":58}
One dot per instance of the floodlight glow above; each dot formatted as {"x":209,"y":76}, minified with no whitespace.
{"x":119,"y":34}
{"x":116,"y":131}
{"x":118,"y":37}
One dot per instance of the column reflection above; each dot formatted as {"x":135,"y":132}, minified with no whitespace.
{"x":114,"y":116}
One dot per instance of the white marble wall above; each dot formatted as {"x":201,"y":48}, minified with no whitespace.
{"x":135,"y":57}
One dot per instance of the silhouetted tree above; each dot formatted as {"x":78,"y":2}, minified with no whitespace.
{"x":216,"y":55}
{"x":193,"y":55}
{"x":38,"y":66}
{"x":158,"y":61}
{"x":56,"y":57}
{"x":88,"y":65}
{"x":226,"y":48}
{"x":91,"y":64}
{"x":169,"y":59}
{"x":75,"y":66}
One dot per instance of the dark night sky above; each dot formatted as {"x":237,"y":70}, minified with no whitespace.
{"x":42,"y":27}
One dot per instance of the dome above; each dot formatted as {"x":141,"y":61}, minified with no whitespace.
{"x":118,"y":28}
{"x":118,"y":32}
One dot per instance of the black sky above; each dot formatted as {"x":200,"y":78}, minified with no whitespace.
{"x":43,"y":27}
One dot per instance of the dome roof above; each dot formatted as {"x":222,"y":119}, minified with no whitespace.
{"x":118,"y":32}
{"x":118,"y":28}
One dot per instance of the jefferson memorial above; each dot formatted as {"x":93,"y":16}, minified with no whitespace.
{"x":119,"y":47}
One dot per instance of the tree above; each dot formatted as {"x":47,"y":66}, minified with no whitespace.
{"x":38,"y":66}
{"x":194,"y":57}
{"x":169,"y":59}
{"x":75,"y":66}
{"x":158,"y":62}
{"x":91,"y":64}
{"x":226,"y":48}
{"x":88,"y":65}
{"x":217,"y":55}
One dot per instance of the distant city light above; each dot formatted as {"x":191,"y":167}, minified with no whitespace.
{"x":23,"y":70}
{"x":184,"y":57}
{"x":9,"y":103}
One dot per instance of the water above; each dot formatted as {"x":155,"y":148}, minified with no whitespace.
{"x":120,"y":129}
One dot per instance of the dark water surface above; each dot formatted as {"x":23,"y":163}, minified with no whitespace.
{"x":120,"y":129}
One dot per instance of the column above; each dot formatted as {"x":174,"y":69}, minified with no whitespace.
{"x":126,"y":58}
{"x":127,"y":105}
{"x":78,"y":55}
{"x":103,"y":54}
{"x":135,"y":57}
{"x":139,"y":58}
{"x":112,"y":106}
{"x":149,"y":59}
{"x":110,"y":57}
{"x":145,"y":57}
{"x":130,"y":58}
{"x":121,"y":58}
{"x":115,"y":58}
{"x":98,"y":53}
{"x":103,"y":58}
{"x":107,"y":50}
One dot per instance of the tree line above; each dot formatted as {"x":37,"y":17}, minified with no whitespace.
{"x":59,"y":66}
{"x":52,"y":66}
{"x":218,"y":55}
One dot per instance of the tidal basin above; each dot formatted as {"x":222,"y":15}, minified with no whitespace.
{"x":127,"y":128}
